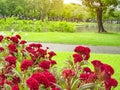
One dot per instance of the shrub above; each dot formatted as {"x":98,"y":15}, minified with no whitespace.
{"x":36,"y":25}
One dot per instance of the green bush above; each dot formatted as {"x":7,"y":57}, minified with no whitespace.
{"x":36,"y":25}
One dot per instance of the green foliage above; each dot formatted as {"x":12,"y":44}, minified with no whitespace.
{"x":36,"y":26}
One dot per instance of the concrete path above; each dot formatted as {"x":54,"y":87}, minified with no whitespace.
{"x":94,"y":49}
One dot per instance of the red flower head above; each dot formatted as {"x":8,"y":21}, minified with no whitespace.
{"x":42,"y":52}
{"x":23,"y":42}
{"x":110,"y":82}
{"x":106,"y":72}
{"x":108,"y":69}
{"x":52,"y":62}
{"x":68,"y":73}
{"x":1,"y":49}
{"x":51,"y":54}
{"x":86,"y":70}
{"x":15,"y":87}
{"x":18,"y":36}
{"x":25,"y":64}
{"x":16,"y":80}
{"x":11,"y":60}
{"x":2,"y":79}
{"x":12,"y":48}
{"x":51,"y":78}
{"x":32,"y":84}
{"x":45,"y":64}
{"x":41,"y":78}
{"x":1,"y":38}
{"x":77,"y":58}
{"x":84,"y":76}
{"x":97,"y":66}
{"x":14,"y":39}
{"x":35,"y":45}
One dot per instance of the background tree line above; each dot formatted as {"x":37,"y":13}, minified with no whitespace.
{"x":53,"y":10}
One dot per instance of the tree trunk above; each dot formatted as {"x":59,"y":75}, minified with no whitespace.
{"x":99,"y":20}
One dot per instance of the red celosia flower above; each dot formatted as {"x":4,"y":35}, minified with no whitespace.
{"x":45,"y":64}
{"x":97,"y":66}
{"x":108,"y":69}
{"x":106,"y":72}
{"x":41,"y":78}
{"x":55,"y":88}
{"x":84,"y":76}
{"x":1,"y":49}
{"x":42,"y":52}
{"x":16,"y":80}
{"x":86,"y":70}
{"x":23,"y":42}
{"x":25,"y":64}
{"x":51,"y":54}
{"x":15,"y":87}
{"x":77,"y":58}
{"x":35,"y":45}
{"x":68,"y":73}
{"x":14,"y":39}
{"x":32,"y":84}
{"x":51,"y":78}
{"x":110,"y":82}
{"x":1,"y":38}
{"x":11,"y":60}
{"x":82,"y":50}
{"x":2,"y":79}
{"x":52,"y":62}
{"x":18,"y":36}
{"x":12,"y":48}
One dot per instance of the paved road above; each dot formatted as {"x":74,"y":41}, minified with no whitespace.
{"x":94,"y":49}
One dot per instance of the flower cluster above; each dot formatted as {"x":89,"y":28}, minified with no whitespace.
{"x":25,"y":65}
{"x":31,"y":67}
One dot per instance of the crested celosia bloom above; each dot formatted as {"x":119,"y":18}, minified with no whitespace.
{"x":1,"y":38}
{"x":44,"y":64}
{"x":12,"y":48}
{"x":52,"y":62}
{"x":16,"y":80}
{"x":11,"y":59}
{"x":68,"y":73}
{"x":88,"y":77}
{"x":110,"y":82}
{"x":35,"y":45}
{"x":14,"y":39}
{"x":41,"y":78}
{"x":25,"y":64}
{"x":51,"y":78}
{"x":32,"y":83}
{"x":85,"y":51}
{"x":23,"y":42}
{"x":1,"y":49}
{"x":15,"y":87}
{"x":2,"y":79}
{"x":18,"y":36}
{"x":86,"y":70}
{"x":77,"y":58}
{"x":51,"y":54}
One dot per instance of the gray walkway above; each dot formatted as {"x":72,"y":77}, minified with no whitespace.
{"x":94,"y":49}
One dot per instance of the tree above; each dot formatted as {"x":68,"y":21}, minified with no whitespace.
{"x":99,"y":7}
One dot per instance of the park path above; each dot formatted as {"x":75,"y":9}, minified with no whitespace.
{"x":94,"y":49}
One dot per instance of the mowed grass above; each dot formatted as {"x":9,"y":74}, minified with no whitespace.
{"x":111,"y":59}
{"x":88,"y":38}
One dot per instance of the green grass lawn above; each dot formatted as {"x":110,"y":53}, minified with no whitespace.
{"x":111,"y":59}
{"x":104,"y":39}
